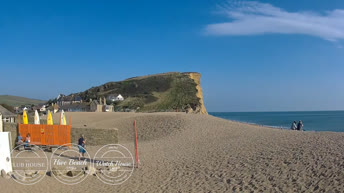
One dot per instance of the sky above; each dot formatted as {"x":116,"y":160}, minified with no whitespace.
{"x":271,"y":55}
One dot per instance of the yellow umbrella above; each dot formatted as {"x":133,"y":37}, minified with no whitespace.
{"x":49,"y":118}
{"x":25,"y":120}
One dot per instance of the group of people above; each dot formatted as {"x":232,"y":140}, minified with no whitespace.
{"x":21,"y":141}
{"x":81,"y":143}
{"x":298,"y":126}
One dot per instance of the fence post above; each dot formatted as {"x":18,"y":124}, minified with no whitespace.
{"x":136,"y":147}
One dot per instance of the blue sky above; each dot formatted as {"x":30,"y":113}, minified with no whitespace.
{"x":253,"y":55}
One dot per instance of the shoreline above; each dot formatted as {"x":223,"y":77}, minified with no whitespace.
{"x":312,"y":121}
{"x":259,"y":125}
{"x":272,"y":127}
{"x":211,"y":114}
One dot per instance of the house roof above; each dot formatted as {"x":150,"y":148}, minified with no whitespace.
{"x":75,"y":106}
{"x":70,"y":98}
{"x":65,"y":98}
{"x":6,"y":113}
{"x":112,"y":95}
{"x":77,"y":98}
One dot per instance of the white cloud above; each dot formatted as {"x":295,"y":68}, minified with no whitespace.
{"x":252,"y":18}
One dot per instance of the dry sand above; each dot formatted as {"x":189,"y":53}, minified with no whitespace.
{"x":201,"y":153}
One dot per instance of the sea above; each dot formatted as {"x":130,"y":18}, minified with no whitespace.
{"x":312,"y":120}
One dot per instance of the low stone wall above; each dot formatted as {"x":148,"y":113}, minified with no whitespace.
{"x":95,"y":136}
{"x":13,"y":129}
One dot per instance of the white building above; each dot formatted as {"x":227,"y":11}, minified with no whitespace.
{"x":119,"y":98}
{"x":115,"y":97}
{"x":60,"y":96}
{"x":43,"y":109}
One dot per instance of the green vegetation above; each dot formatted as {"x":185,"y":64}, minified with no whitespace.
{"x":180,"y":96}
{"x":161,"y":92}
{"x":134,"y":103}
{"x":18,"y":101}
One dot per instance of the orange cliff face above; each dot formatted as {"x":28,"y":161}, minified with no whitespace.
{"x":197,"y":78}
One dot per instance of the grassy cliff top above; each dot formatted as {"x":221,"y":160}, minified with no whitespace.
{"x":171,"y":91}
{"x":17,"y":101}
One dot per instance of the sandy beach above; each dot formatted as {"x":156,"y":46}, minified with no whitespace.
{"x":201,"y":153}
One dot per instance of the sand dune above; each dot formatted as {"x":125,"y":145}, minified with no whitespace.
{"x":200,"y":153}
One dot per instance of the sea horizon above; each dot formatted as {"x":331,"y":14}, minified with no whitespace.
{"x":270,"y":111}
{"x":325,"y":120}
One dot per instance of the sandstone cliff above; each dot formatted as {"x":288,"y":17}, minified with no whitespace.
{"x":197,"y":78}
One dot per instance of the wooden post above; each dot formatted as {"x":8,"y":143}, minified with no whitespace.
{"x":69,"y":130}
{"x":136,"y":147}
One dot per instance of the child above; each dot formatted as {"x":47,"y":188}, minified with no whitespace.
{"x":81,"y":145}
{"x":27,"y":140}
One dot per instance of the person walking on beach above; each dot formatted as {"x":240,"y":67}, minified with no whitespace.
{"x":81,"y":146}
{"x":300,"y":126}
{"x":293,"y":126}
